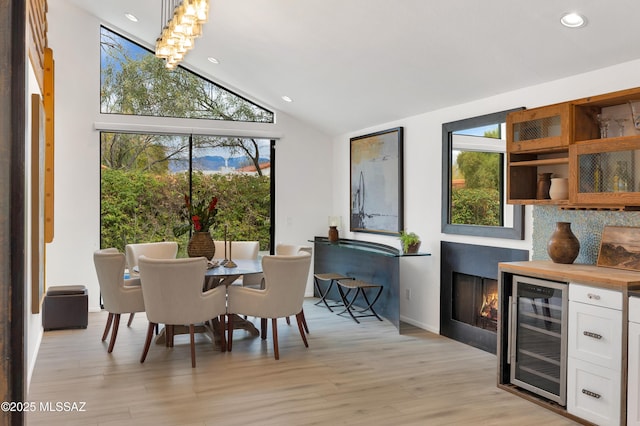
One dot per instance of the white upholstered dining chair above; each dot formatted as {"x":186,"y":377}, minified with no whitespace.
{"x":172,"y":291}
{"x":157,"y":250}
{"x":119,"y":295}
{"x":283,"y":294}
{"x":291,"y":250}
{"x":241,"y":250}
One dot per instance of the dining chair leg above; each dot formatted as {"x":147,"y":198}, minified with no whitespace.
{"x":304,"y":322}
{"x":131,"y":315}
{"x":274,"y":332}
{"x":147,"y":342}
{"x":223,"y":340}
{"x":300,"y":318}
{"x":192,"y":340}
{"x":107,"y":327}
{"x":288,"y":321}
{"x":263,"y":328}
{"x":229,"y":332}
{"x":114,"y":332}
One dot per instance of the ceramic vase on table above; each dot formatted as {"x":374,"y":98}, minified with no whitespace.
{"x":563,"y":246}
{"x":201,"y":245}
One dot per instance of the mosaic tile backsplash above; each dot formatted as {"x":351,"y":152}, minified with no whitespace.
{"x":586,"y":225}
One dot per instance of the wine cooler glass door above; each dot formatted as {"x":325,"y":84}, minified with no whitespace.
{"x":539,"y":337}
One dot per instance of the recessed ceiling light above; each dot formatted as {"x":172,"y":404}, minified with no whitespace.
{"x":131,"y":17}
{"x":213,"y":60}
{"x":287,"y":99}
{"x":573,"y":20}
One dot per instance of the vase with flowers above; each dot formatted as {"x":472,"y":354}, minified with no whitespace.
{"x":199,"y":215}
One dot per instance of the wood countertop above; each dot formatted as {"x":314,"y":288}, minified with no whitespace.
{"x":615,"y":279}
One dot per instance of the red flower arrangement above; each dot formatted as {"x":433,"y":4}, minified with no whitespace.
{"x":201,"y":215}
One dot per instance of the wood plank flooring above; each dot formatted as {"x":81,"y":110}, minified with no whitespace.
{"x":351,"y":374}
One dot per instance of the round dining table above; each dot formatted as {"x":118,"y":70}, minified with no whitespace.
{"x":220,"y":273}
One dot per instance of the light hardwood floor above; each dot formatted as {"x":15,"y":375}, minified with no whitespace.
{"x":351,"y":374}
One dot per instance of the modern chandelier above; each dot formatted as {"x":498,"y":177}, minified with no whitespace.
{"x":181,"y":23}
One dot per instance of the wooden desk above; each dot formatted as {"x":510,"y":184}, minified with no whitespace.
{"x":366,"y":261}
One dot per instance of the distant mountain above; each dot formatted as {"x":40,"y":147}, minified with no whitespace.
{"x":211,"y":163}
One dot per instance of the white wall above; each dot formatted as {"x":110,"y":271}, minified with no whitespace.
{"x":423,"y":171}
{"x":312,"y":174}
{"x":75,"y":39}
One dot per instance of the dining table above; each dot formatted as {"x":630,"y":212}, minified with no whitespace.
{"x":220,"y":272}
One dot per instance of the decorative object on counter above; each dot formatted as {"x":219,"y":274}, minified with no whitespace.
{"x":563,"y":246}
{"x":544,"y":183}
{"x":201,"y":245}
{"x":620,"y":122}
{"x":334,"y":223}
{"x":620,"y":248}
{"x":410,"y":242}
{"x":559,"y":189}
{"x":635,"y":113}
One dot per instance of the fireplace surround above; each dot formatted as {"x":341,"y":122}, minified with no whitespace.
{"x":468,"y":283}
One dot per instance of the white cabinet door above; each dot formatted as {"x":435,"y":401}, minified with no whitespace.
{"x":595,"y":334}
{"x":593,"y":392}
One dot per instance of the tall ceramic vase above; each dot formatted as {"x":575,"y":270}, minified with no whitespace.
{"x":563,"y":246}
{"x":201,"y":244}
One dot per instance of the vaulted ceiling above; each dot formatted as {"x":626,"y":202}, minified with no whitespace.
{"x":351,"y":64}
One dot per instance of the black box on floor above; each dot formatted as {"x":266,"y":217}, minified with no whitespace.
{"x":65,"y":307}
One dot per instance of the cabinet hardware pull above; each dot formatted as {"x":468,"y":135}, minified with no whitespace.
{"x":590,"y":334}
{"x":592,"y":394}
{"x":593,"y":296}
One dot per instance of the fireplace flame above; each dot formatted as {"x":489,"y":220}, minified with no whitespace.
{"x":490,"y":306}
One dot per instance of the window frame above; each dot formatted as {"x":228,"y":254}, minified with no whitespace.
{"x":516,"y":232}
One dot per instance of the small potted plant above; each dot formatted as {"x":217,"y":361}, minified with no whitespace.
{"x":410,"y":242}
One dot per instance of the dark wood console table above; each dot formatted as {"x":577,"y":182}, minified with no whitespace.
{"x":366,"y":261}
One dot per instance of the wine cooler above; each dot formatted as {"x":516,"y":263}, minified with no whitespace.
{"x":538,"y":337}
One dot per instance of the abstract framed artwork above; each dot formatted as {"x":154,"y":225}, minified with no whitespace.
{"x":620,"y":248}
{"x":377,"y":182}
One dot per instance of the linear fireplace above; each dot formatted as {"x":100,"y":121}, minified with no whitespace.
{"x":469,"y":292}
